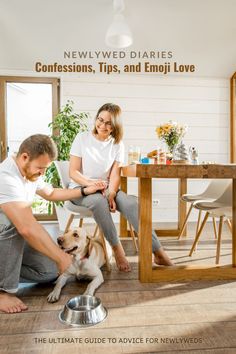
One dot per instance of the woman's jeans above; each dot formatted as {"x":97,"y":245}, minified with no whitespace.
{"x":20,"y":262}
{"x":127,"y":205}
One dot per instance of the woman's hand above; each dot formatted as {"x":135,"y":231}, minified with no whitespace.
{"x":102,"y":185}
{"x":111,"y":201}
{"x":92,"y":182}
{"x":93,"y":188}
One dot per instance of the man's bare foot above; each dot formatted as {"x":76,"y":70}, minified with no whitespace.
{"x":11,"y":304}
{"x":161,"y":258}
{"x":121,"y":261}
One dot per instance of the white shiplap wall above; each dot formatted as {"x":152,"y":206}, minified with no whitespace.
{"x":202,"y":104}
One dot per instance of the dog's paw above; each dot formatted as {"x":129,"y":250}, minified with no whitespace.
{"x":89,"y":292}
{"x":53,"y":297}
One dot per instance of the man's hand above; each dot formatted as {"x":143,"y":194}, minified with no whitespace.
{"x":65,"y":262}
{"x":20,"y":214}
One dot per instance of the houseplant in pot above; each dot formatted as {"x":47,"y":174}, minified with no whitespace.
{"x":64,"y":127}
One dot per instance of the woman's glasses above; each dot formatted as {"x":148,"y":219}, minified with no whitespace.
{"x":102,"y":121}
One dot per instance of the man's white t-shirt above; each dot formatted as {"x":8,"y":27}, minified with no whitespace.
{"x":14,"y":187}
{"x":97,"y":156}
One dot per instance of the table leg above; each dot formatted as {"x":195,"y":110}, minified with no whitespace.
{"x":182,"y":206}
{"x":123,"y":221}
{"x":182,"y":212}
{"x":234,"y":223}
{"x":145,"y":230}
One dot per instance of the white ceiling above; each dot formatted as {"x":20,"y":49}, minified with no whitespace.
{"x":200,"y":32}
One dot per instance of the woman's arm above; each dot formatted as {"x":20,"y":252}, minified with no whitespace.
{"x":74,"y":171}
{"x":114,"y":178}
{"x":77,"y":176}
{"x":114,"y":183}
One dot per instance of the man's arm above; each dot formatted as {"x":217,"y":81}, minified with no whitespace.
{"x":60,"y":194}
{"x":21,"y":216}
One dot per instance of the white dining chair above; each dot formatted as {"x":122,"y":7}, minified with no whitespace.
{"x":214,"y":190}
{"x":221,"y":208}
{"x":76,"y":211}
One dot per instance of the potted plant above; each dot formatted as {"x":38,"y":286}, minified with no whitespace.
{"x":64,"y":127}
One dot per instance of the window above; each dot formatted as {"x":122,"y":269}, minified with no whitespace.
{"x":28,"y":105}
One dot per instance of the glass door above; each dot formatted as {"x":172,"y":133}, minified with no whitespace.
{"x":29,"y":105}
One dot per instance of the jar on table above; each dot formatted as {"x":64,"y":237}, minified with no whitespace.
{"x":161,"y":157}
{"x":134,"y":154}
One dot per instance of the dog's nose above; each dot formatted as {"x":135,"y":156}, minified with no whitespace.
{"x":60,"y":241}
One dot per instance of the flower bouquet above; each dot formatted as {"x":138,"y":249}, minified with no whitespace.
{"x":171,"y":133}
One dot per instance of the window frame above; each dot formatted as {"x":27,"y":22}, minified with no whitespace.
{"x":55,"y":82}
{"x":233,"y":118}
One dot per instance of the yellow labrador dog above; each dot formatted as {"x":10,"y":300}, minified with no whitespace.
{"x":89,"y":257}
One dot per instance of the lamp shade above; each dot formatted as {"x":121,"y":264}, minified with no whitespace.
{"x":118,"y":34}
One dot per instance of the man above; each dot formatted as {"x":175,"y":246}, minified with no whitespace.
{"x":27,"y":251}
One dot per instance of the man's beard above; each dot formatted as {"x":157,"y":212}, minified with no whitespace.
{"x":32,"y":178}
{"x":29,"y":176}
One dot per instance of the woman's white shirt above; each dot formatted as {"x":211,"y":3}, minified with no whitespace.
{"x":97,"y":156}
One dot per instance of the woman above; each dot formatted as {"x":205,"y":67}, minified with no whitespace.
{"x":96,"y":157}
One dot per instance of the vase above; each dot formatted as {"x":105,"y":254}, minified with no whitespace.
{"x":170,"y":151}
{"x":180,"y":153}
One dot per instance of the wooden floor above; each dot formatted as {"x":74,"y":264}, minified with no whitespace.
{"x":177,"y":317}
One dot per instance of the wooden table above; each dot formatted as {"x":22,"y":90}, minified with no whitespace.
{"x":145,"y":173}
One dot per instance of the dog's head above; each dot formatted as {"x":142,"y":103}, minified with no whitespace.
{"x":74,"y":241}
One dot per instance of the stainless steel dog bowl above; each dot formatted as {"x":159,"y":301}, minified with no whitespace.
{"x":83,"y":311}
